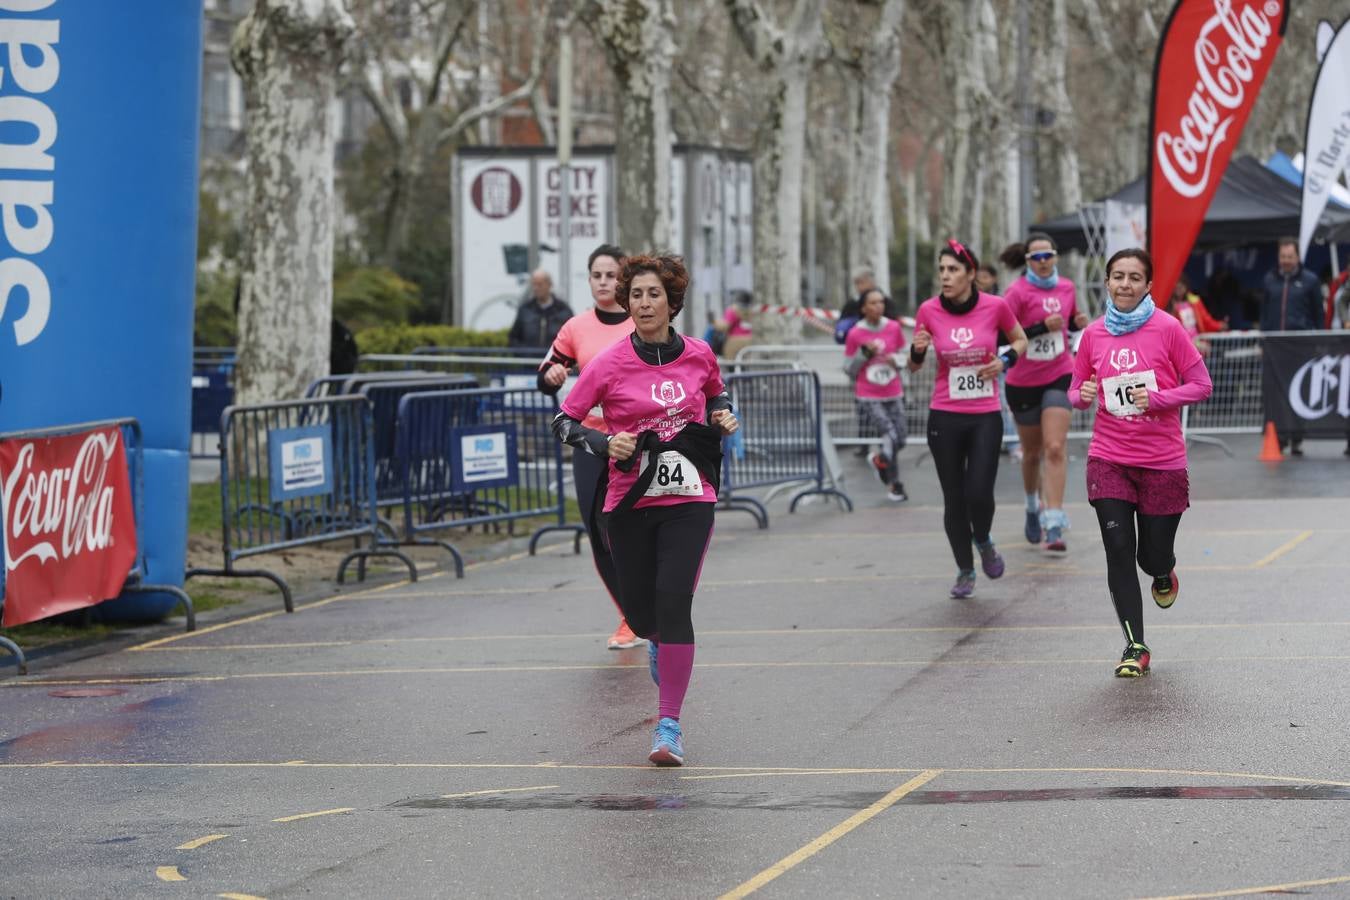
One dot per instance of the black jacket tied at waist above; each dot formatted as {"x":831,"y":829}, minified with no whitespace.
{"x":698,"y":443}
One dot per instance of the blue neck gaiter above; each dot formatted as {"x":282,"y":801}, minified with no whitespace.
{"x":1118,"y":323}
{"x":1044,"y":284}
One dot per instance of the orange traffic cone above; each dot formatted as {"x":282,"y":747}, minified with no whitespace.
{"x":1270,"y":447}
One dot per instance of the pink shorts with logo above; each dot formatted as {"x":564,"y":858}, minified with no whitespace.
{"x":1154,"y":492}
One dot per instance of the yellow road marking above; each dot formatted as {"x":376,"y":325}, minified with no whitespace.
{"x":540,"y":787}
{"x":169,"y":873}
{"x":1281,"y":550}
{"x":598,"y":767}
{"x":325,"y":812}
{"x":1266,"y":889}
{"x":795,"y":664}
{"x":200,"y":842}
{"x":239,"y":897}
{"x":793,"y":859}
{"x":860,"y":632}
{"x":796,"y":774}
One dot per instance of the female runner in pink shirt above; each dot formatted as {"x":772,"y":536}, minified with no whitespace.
{"x":667,"y":409}
{"x":872,"y":359}
{"x":581,"y":338}
{"x":1038,"y":388}
{"x":1139,"y":367}
{"x":965,"y":427}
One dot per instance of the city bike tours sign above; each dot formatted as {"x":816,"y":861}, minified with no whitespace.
{"x":69,"y":529}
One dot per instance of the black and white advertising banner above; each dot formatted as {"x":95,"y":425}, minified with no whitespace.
{"x":1306,"y":383}
{"x":1326,"y":142}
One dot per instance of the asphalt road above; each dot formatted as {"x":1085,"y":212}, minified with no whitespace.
{"x":850,"y":730}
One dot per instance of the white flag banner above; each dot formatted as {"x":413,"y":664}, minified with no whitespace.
{"x":1327,"y":142}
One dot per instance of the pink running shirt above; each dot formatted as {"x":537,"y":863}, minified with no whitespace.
{"x":1047,"y":356}
{"x":736,"y":326}
{"x":964,"y":343}
{"x":1157,"y":355}
{"x":879,"y":378}
{"x":581,"y":339}
{"x":638,"y":397}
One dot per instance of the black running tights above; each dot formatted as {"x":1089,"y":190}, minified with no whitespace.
{"x":1152,"y":549}
{"x":590,"y":475}
{"x":965,"y":450}
{"x":659,"y":553}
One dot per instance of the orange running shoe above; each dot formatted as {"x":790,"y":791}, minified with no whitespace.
{"x":623,"y":638}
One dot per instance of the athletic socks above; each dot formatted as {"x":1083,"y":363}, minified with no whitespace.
{"x":1033,"y":503}
{"x":675,"y":664}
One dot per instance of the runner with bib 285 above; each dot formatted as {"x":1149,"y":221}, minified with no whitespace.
{"x":965,"y":427}
{"x":1138,"y":366}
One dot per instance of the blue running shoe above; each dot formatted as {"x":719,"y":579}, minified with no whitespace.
{"x":1033,"y":528}
{"x":652,"y":648}
{"x":964,"y":587}
{"x":990,"y":560}
{"x":667,"y":744}
{"x":1054,"y":539}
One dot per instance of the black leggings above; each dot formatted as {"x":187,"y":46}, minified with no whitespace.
{"x":1153,"y":550}
{"x":659,"y":552}
{"x":965,"y":449}
{"x":590,"y":475}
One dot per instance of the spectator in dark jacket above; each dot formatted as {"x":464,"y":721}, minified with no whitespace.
{"x":541,"y":316}
{"x":1291,"y":295}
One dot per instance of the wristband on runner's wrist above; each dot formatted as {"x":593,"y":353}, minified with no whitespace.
{"x":1009,"y":357}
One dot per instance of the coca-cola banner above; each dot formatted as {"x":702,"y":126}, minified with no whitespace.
{"x":1212,"y":60}
{"x":1306,"y":383}
{"x":69,"y":528}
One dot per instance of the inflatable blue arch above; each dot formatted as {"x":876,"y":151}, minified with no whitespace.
{"x":99,"y":110}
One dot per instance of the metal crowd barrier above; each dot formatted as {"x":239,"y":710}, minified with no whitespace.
{"x":531,"y":353}
{"x":135,"y":581}
{"x":1234,"y":362}
{"x":505,"y":369}
{"x":323,"y":451}
{"x":479,"y":457}
{"x":212,"y":391}
{"x":782,"y":440}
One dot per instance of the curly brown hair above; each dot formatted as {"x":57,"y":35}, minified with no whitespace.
{"x":669,"y":268}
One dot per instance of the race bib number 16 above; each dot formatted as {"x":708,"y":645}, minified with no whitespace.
{"x":1118,"y":391}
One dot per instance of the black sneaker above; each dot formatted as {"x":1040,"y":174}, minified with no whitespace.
{"x":1165,"y":589}
{"x":897,"y":493}
{"x":882,"y":466}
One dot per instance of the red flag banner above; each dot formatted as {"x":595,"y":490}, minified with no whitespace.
{"x":69,"y":528}
{"x":1212,"y":61}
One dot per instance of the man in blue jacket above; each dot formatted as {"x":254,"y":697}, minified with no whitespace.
{"x":1292,"y":301}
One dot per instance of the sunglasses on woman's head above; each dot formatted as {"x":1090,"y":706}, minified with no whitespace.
{"x":1042,"y":256}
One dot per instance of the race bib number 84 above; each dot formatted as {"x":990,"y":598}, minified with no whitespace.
{"x":675,"y":476}
{"x":966,"y":383}
{"x":1118,"y":392}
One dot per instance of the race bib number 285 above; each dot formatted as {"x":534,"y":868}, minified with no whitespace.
{"x":966,"y":383}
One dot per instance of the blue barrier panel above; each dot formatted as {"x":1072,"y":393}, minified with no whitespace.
{"x":99,"y":148}
{"x":293,"y":473}
{"x":479,"y":457}
{"x":212,"y":392}
{"x":780,"y":440}
{"x":135,"y":583}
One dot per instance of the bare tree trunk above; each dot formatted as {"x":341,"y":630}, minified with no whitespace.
{"x":970,"y":100}
{"x":787,"y":55}
{"x":288,"y":53}
{"x":1061,"y":190}
{"x":636,"y":35}
{"x":869,"y":226}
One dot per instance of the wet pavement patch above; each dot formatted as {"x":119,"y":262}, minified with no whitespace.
{"x":80,"y":693}
{"x":853,"y":800}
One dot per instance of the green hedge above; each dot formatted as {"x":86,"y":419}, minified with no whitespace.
{"x":406,"y":338}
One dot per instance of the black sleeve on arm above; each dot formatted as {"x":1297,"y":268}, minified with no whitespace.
{"x":553,"y":357}
{"x":721,"y":401}
{"x":571,"y":432}
{"x":1073,"y":325}
{"x":1032,"y":331}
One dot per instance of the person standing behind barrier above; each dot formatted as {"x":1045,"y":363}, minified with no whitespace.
{"x":1045,"y":305}
{"x":1139,"y":368}
{"x":664,"y":399}
{"x":541,"y":315}
{"x":872,"y":359}
{"x":1291,"y":301}
{"x":965,"y":427}
{"x":579,"y":341}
